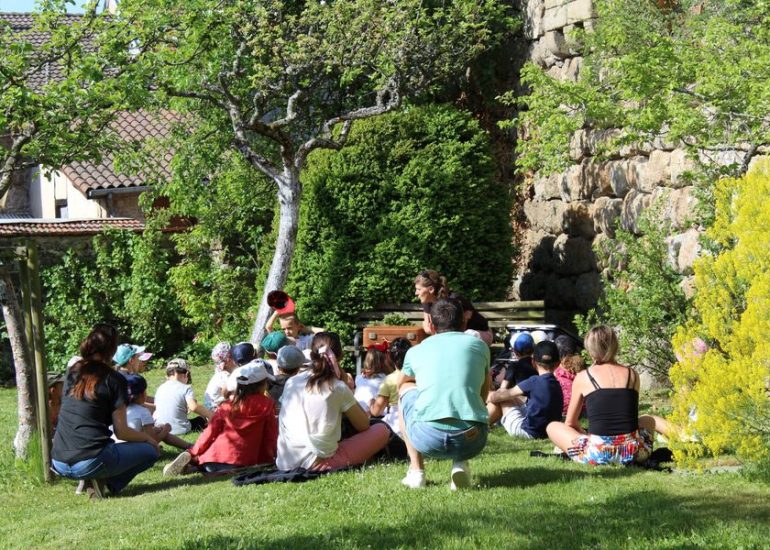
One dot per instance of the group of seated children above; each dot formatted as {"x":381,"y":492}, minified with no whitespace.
{"x":298,"y":409}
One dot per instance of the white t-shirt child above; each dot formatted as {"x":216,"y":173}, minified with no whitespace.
{"x":171,"y":405}
{"x":367,"y":389}
{"x":138,"y":416}
{"x":310,"y":422}
{"x":213,"y":397}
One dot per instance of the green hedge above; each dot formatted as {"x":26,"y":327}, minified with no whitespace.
{"x":412,"y":190}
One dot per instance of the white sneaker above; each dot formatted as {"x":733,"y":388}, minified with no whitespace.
{"x":461,"y":475}
{"x":175,"y":467}
{"x":82,"y":486}
{"x":414,"y":479}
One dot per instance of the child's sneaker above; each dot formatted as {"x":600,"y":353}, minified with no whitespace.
{"x":176,"y":466}
{"x":415,"y":479}
{"x":461,"y":475}
{"x":83,"y":484}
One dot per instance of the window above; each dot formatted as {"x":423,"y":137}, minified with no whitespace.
{"x":61,"y":209}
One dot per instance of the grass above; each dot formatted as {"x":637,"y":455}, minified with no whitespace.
{"x":520,"y":502}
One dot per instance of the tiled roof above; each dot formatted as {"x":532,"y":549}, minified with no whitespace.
{"x":37,"y":227}
{"x":131,"y":127}
{"x":40,"y":227}
{"x":21,"y":24}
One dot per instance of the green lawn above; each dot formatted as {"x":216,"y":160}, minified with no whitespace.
{"x":520,"y":502}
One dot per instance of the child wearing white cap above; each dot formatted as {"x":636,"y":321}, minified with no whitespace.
{"x":243,"y":431}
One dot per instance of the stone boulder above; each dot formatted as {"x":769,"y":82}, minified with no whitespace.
{"x":681,"y":166}
{"x":606,"y":212}
{"x":577,"y":220}
{"x":656,"y":172}
{"x":634,"y":203}
{"x":588,"y":288}
{"x":547,"y":188}
{"x":533,"y":19}
{"x":546,"y":216}
{"x":683,"y":250}
{"x":573,"y":255}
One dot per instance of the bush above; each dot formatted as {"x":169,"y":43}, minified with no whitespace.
{"x":722,"y":388}
{"x":410,"y":191}
{"x":120,"y":281}
{"x":642,"y":297}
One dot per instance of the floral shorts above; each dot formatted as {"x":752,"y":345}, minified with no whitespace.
{"x":612,"y":449}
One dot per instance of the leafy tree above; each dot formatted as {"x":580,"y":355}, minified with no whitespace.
{"x":722,"y":379}
{"x":62,"y":83}
{"x":410,"y":190}
{"x":223,"y":254}
{"x":642,"y":296}
{"x":283,"y":78}
{"x":687,"y":71}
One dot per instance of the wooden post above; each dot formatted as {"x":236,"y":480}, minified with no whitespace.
{"x":36,"y":315}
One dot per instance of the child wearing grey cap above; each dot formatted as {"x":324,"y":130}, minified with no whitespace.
{"x":289,"y":360}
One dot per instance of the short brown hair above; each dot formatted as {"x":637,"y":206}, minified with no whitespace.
{"x":601,"y":343}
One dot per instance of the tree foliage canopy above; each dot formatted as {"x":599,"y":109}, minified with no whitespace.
{"x":62,"y":83}
{"x":697,"y":72}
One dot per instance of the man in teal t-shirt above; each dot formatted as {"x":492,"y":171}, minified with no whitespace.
{"x":443,"y":388}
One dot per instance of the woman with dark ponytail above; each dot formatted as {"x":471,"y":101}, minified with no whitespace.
{"x":429,"y":286}
{"x":95,"y":397}
{"x":312,"y":407}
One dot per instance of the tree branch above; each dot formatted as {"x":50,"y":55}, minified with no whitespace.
{"x":388,"y":99}
{"x":291,"y":111}
{"x":13,"y":159}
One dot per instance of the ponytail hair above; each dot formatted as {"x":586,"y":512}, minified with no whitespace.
{"x":96,"y":351}
{"x":435,"y":281}
{"x":101,"y":343}
{"x":325,"y":353}
{"x":87,"y":374}
{"x":242,"y":391}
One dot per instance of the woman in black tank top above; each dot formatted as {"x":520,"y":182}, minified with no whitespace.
{"x":616,"y":434}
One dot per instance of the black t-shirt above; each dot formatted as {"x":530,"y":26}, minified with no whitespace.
{"x":477,"y":322}
{"x":518,"y":371}
{"x":83,"y":429}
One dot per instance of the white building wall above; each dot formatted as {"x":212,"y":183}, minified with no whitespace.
{"x":45,"y":190}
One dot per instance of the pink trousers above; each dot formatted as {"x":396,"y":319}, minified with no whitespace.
{"x":357,"y":449}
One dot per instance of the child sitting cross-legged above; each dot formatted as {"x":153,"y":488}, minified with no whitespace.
{"x":139,"y":418}
{"x":243,"y":431}
{"x":543,"y":398}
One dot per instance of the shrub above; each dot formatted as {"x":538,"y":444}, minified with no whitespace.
{"x":722,"y":392}
{"x":411,"y":190}
{"x":642,"y":297}
{"x":223,"y":254}
{"x":120,"y":280}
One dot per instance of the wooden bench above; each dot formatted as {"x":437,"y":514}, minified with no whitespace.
{"x":498,"y":314}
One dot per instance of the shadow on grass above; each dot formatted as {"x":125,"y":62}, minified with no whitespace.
{"x":647,"y":517}
{"x":532,"y":476}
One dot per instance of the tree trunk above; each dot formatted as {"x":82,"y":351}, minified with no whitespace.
{"x":289,"y":195}
{"x":24,"y":376}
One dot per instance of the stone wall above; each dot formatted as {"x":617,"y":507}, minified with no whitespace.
{"x":570,"y":214}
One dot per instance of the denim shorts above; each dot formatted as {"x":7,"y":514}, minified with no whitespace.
{"x":439,"y":443}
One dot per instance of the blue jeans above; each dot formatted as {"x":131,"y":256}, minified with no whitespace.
{"x":438,"y":443}
{"x":117,"y":464}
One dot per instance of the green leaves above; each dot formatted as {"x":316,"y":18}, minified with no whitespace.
{"x":699,"y":74}
{"x":411,"y":190}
